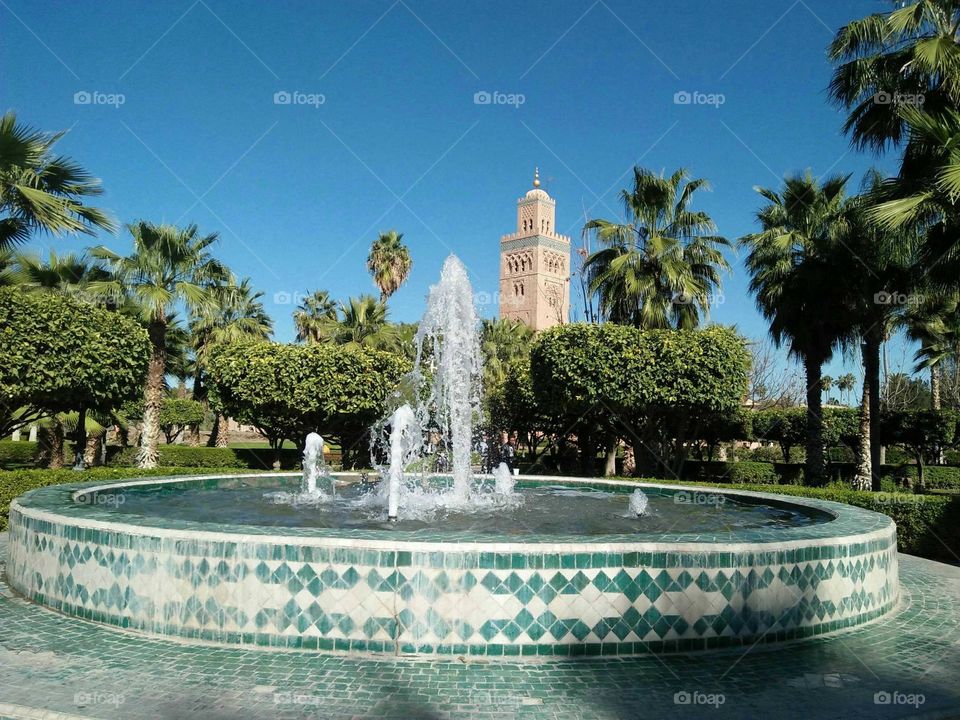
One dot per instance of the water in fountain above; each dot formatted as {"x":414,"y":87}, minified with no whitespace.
{"x":503,"y":480}
{"x":638,"y":503}
{"x":314,"y":469}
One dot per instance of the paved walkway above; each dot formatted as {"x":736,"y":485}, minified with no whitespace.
{"x":52,"y":666}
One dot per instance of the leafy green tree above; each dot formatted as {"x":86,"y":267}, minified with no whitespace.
{"x":176,"y":414}
{"x":886,"y":61}
{"x":287,"y":391}
{"x":59,"y":355}
{"x":924,"y":433}
{"x":653,"y":388}
{"x":313,"y":315}
{"x":790,"y":263}
{"x":41,"y":191}
{"x":660,"y":268}
{"x":787,"y":428}
{"x":389,"y":263}
{"x":169,"y":267}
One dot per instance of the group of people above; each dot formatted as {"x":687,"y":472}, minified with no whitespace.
{"x":507,"y":454}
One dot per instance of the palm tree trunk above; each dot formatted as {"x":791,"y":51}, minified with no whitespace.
{"x":872,"y":342}
{"x":153,"y":393}
{"x":814,"y":468}
{"x":52,"y":440}
{"x":223,"y":431}
{"x":91,"y":453}
{"x":629,"y":461}
{"x":864,"y":477}
{"x":934,"y":387}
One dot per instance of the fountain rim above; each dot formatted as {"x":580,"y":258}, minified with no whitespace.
{"x":59,"y":504}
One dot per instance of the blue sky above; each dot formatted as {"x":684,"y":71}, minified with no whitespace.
{"x":298,"y":191}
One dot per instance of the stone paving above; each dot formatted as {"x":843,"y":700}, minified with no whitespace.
{"x":904,"y":666}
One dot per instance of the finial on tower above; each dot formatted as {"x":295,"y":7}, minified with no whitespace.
{"x":536,"y":177}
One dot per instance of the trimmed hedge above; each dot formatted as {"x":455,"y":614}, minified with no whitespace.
{"x":17,"y":454}
{"x":927,"y":525}
{"x":744,"y":471}
{"x":14,"y":483}
{"x":208,"y":457}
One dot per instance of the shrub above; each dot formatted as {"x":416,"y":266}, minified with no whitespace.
{"x":209,"y":457}
{"x":60,"y":355}
{"x":731,"y":472}
{"x":17,"y":454}
{"x":14,"y":483}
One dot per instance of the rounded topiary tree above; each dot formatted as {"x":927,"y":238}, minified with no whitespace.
{"x":286,"y":391}
{"x":58,"y":354}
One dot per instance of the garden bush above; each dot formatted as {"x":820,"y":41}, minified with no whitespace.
{"x":17,"y":454}
{"x":210,"y":457}
{"x":736,"y":472}
{"x":14,"y":483}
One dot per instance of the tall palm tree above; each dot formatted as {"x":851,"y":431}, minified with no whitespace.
{"x":660,"y":267}
{"x":312,"y":316}
{"x":41,"y":191}
{"x":389,"y":263}
{"x":845,"y":384}
{"x":795,"y":285}
{"x":169,"y":267}
{"x":237,"y":313}
{"x":936,"y":326}
{"x":909,"y":55}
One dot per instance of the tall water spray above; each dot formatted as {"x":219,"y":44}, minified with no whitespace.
{"x":312,"y":462}
{"x":405,"y":443}
{"x":449,"y":329}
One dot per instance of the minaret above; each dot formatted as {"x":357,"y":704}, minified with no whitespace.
{"x":535,"y":264}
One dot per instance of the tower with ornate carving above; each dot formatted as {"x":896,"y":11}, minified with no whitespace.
{"x":535,"y":264}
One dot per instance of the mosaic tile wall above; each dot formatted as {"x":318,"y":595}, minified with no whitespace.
{"x":392,"y":596}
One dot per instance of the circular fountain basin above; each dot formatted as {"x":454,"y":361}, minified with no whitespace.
{"x":567,"y":571}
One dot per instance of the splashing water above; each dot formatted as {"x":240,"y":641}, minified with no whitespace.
{"x":503,"y":480}
{"x":638,"y":503}
{"x":405,"y":443}
{"x":314,"y":469}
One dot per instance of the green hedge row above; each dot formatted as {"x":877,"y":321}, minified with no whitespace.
{"x":207,"y":457}
{"x":17,"y":454}
{"x":14,"y":483}
{"x":927,"y":525}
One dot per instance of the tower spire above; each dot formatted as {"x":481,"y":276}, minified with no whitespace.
{"x":536,"y":177}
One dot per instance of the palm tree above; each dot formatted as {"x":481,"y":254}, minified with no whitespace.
{"x":827,"y":383}
{"x":389,"y":263}
{"x":67,"y":274}
{"x":660,"y":267}
{"x":889,"y":60}
{"x":312,"y":316}
{"x":40,"y":191}
{"x":936,"y":326}
{"x":236,"y":314}
{"x":169,"y":267}
{"x":362,"y":322}
{"x":795,"y":285}
{"x":503,"y":341}
{"x":845,"y":384}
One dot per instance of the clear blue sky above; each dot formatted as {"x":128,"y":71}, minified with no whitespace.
{"x":299,"y":191}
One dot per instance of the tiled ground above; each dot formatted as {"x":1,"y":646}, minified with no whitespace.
{"x":71,"y":668}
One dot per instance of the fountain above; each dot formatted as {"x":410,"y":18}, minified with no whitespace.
{"x":469,"y":566}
